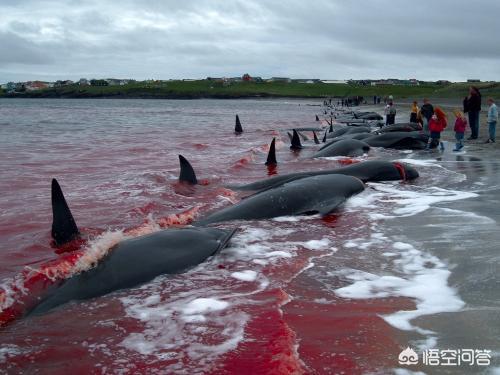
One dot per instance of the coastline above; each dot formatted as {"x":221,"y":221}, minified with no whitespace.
{"x":205,"y":89}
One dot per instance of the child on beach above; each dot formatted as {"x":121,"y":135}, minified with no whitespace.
{"x":460,"y":125}
{"x":492,"y":120}
{"x":437,"y":124}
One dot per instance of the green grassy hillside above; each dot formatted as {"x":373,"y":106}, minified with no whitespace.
{"x":213,"y":89}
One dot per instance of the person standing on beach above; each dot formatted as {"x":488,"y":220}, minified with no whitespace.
{"x":437,"y":124}
{"x":472,"y":106}
{"x":492,"y":120}
{"x":390,"y":112}
{"x":426,"y":113}
{"x":460,"y":126}
{"x":414,"y":112}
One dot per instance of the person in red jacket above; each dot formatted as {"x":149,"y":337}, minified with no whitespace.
{"x":437,"y":124}
{"x":460,"y":126}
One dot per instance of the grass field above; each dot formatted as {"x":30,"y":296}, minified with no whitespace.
{"x":213,"y":89}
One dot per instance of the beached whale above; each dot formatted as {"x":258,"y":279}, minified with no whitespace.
{"x":366,"y":171}
{"x":401,"y":127}
{"x":358,"y":136}
{"x":367,"y":115}
{"x":399,"y":140}
{"x":344,"y":147}
{"x":310,"y":195}
{"x":349,"y":130}
{"x":139,"y":260}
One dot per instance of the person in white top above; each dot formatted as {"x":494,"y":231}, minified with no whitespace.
{"x":492,"y":120}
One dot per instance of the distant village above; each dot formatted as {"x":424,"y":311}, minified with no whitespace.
{"x":30,"y":86}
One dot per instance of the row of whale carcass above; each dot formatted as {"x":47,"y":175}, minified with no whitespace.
{"x":139,"y":260}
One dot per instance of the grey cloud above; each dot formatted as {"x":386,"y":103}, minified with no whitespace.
{"x":325,"y":38}
{"x":16,"y":50}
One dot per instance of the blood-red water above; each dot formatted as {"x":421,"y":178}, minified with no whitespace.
{"x":117,"y":164}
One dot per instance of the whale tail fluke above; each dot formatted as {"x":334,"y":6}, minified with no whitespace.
{"x":187,"y":174}
{"x":238,"y":129}
{"x":296,"y":145}
{"x":64,"y":228}
{"x":316,"y":140}
{"x":271,"y":156}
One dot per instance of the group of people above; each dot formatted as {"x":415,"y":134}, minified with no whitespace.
{"x":434,"y":119}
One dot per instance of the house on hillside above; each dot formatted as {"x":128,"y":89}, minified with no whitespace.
{"x":113,"y":81}
{"x":83,"y":82}
{"x":60,"y":83}
{"x":35,"y":85}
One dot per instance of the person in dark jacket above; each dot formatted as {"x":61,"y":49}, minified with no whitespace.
{"x":472,"y":106}
{"x":426,"y":112}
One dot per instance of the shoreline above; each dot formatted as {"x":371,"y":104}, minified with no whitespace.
{"x":205,"y":89}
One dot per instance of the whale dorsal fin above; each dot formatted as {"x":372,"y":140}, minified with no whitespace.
{"x":296,"y":145}
{"x":271,"y":156}
{"x":317,"y":118}
{"x":187,"y":172}
{"x":316,"y":140}
{"x":237,"y":127}
{"x":331,"y":128}
{"x":324,"y":137}
{"x":64,"y":228}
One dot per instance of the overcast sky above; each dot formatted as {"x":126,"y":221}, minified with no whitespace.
{"x":328,"y":39}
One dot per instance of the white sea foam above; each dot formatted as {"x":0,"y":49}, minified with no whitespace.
{"x":317,"y":244}
{"x":414,"y":273}
{"x":422,"y":277}
{"x":420,"y":162}
{"x":204,"y":305}
{"x":393,"y":202}
{"x":7,"y":351}
{"x":247,"y":275}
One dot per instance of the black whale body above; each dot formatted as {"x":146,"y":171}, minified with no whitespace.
{"x":366,"y":171}
{"x":138,"y":260}
{"x":317,"y":194}
{"x":344,"y":147}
